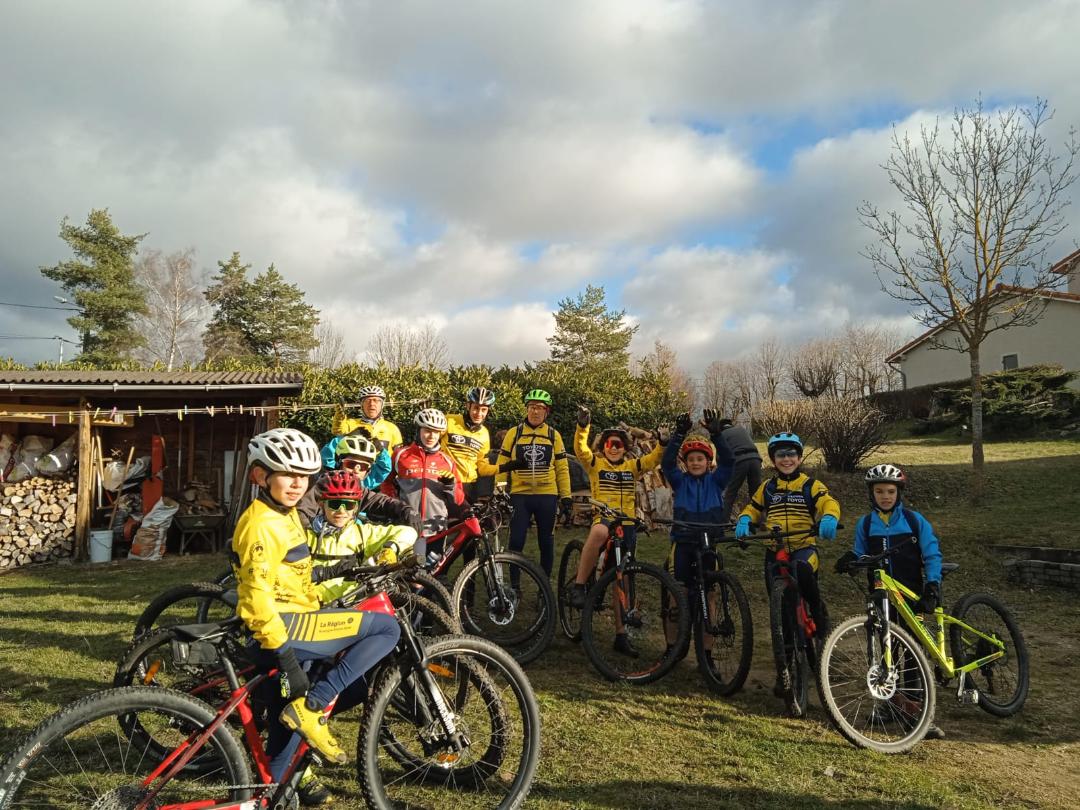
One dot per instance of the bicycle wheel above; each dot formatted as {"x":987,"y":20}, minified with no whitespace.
{"x":76,"y":758}
{"x":431,"y":588}
{"x":193,"y":603}
{"x":651,"y":607}
{"x":789,"y":646}
{"x":406,"y":759}
{"x":427,"y":616}
{"x":1002,"y":684}
{"x":724,"y":660}
{"x":570,"y":616}
{"x":507,"y":598}
{"x":872,"y":705}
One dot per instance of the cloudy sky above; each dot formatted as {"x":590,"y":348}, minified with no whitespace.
{"x":470,"y":164}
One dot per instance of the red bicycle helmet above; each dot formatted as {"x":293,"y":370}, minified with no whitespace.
{"x":696,"y":446}
{"x":338,"y":484}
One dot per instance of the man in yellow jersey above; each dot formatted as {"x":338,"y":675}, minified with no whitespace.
{"x":534,"y":455}
{"x":279,"y":604}
{"x":468,"y":441}
{"x":372,"y":402}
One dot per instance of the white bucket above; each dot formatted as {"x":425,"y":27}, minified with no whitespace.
{"x":101,"y":546}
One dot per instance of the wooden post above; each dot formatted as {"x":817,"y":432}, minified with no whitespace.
{"x":190,"y":454}
{"x":85,"y":483}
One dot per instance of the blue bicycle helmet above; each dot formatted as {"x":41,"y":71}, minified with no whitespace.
{"x":481,"y":396}
{"x":784,"y":440}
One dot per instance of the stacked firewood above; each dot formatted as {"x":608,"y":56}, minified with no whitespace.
{"x":37,"y":521}
{"x":196,"y":499}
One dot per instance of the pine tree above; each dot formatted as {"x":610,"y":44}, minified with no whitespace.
{"x":101,"y":283}
{"x":230,"y":294}
{"x":589,"y":336}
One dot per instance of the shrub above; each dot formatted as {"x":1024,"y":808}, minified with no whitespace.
{"x":794,"y":416}
{"x":847,"y":431}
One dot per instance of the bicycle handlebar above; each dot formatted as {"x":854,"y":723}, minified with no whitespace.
{"x":615,"y":514}
{"x":871,"y":560}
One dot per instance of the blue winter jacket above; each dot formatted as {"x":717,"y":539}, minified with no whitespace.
{"x":697,"y":498}
{"x":929,"y":549}
{"x":376,"y":475}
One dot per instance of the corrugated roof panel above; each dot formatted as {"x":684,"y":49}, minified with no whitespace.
{"x":177,"y":378}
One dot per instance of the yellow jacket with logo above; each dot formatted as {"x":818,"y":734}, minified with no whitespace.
{"x":547,"y":471}
{"x":782,"y":502}
{"x":469,"y":447}
{"x":272,"y":563}
{"x":364,"y":540}
{"x":614,"y":484}
{"x":383,"y":431}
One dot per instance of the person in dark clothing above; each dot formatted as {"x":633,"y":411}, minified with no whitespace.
{"x":747,"y":463}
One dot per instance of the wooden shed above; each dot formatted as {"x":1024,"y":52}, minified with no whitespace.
{"x":194,"y":424}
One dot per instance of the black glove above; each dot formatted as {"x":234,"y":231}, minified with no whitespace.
{"x":294,"y":681}
{"x":683,"y":423}
{"x":931,"y":598}
{"x":843,"y":564}
{"x":567,"y":506}
{"x":584,"y":416}
{"x":712,"y":420}
{"x":513,"y":464}
{"x":448,"y":483}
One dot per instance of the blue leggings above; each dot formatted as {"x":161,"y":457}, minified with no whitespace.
{"x":319,"y":636}
{"x":544,"y":508}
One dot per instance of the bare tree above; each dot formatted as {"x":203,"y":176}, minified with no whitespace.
{"x":862,"y":350}
{"x":815,"y":366}
{"x":331,"y":352}
{"x":397,"y":346}
{"x":662,"y":363}
{"x":983,"y":206}
{"x":744,"y":376}
{"x":172,"y":327}
{"x":769,"y":367}
{"x":720,"y":389}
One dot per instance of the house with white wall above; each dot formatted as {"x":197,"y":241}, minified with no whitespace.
{"x":1054,"y":339}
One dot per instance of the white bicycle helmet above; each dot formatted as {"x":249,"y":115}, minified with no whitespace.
{"x":431,"y":418}
{"x":285,"y":450}
{"x":371,"y":391}
{"x":360,"y":446}
{"x":885,"y":474}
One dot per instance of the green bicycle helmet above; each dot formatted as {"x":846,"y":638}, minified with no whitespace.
{"x":538,"y":395}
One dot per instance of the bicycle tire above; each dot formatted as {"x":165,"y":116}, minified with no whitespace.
{"x":569,"y":616}
{"x":731,"y":632}
{"x":667,"y":589}
{"x":434,"y":765}
{"x":205,"y":597}
{"x":966,"y":649}
{"x":789,"y":651}
{"x":859,"y":665}
{"x":78,"y":721}
{"x":431,"y":588}
{"x":427,"y":616}
{"x":494,"y":618}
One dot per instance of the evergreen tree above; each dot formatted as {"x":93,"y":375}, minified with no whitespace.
{"x":101,"y":283}
{"x":264,"y":319}
{"x":589,"y":336}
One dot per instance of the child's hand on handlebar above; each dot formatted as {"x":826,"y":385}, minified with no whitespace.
{"x":742,"y":528}
{"x":827,"y":528}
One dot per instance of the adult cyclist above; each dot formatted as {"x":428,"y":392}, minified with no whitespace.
{"x":372,"y":403}
{"x":468,"y":441}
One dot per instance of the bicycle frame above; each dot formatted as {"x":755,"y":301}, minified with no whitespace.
{"x":783,"y":568}
{"x":898,"y":595}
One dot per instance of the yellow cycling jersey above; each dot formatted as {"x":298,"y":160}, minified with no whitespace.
{"x":273,"y":571}
{"x":546,"y":470}
{"x":614,"y":484}
{"x":783,"y":503}
{"x":365,"y":540}
{"x":383,"y":431}
{"x":469,"y":447}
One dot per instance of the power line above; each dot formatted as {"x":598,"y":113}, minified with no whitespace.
{"x":37,"y":337}
{"x":37,"y":306}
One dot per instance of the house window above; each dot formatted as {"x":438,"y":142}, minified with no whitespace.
{"x":1009,"y":362}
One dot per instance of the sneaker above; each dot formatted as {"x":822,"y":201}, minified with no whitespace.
{"x":575,"y":594}
{"x":311,"y":791}
{"x":311,"y":724}
{"x":934,"y":733}
{"x":624,"y":647}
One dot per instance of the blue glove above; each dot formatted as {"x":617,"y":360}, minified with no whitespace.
{"x":742,"y":528}
{"x":827,"y":528}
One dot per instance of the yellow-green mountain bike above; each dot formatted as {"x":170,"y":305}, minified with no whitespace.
{"x":875,"y":678}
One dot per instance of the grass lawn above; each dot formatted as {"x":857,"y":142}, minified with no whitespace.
{"x":672,"y":744}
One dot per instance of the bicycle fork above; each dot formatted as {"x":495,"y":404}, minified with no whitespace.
{"x":424,"y":670}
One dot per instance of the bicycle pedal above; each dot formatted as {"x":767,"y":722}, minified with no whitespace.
{"x":968,"y":697}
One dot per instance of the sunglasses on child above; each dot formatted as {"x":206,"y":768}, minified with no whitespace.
{"x":786,"y":454}
{"x":355,"y":465}
{"x":340,"y":504}
{"x":613,"y":444}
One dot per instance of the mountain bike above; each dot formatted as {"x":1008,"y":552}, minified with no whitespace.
{"x":450,"y":720}
{"x":875,"y":677}
{"x":719,"y":611}
{"x":502,"y":596}
{"x":794,"y":634}
{"x":638,"y":599}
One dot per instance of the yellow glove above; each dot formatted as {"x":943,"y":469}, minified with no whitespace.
{"x":386,"y":556}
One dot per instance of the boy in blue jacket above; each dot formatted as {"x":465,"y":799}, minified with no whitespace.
{"x":698,"y":494}
{"x":918,"y":565}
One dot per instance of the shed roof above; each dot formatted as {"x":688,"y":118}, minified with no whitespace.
{"x":285,"y":382}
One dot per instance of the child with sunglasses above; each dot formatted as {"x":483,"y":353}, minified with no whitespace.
{"x":613,"y":477}
{"x":359,"y":452}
